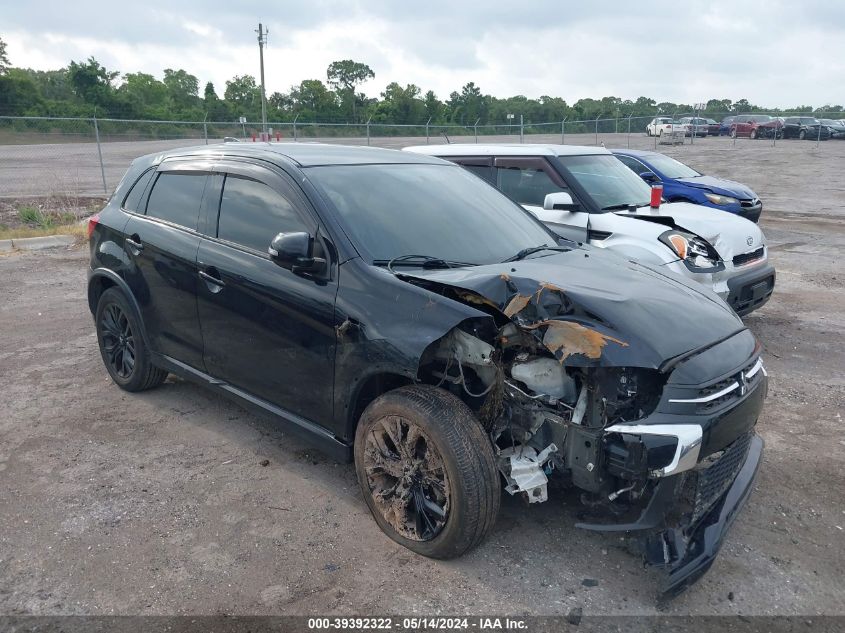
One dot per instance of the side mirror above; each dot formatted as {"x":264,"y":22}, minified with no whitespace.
{"x":560,"y":201}
{"x":649,"y":176}
{"x":294,"y":251}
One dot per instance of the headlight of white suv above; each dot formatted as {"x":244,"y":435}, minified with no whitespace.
{"x":717,"y":199}
{"x":695,"y":252}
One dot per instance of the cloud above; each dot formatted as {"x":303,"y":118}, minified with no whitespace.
{"x":773,"y":53}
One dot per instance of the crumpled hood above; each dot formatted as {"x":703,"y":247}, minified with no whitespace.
{"x":729,"y":234}
{"x":719,"y":186}
{"x":608,"y":311}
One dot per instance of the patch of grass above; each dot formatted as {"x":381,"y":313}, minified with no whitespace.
{"x":35,"y":217}
{"x":80,"y":231}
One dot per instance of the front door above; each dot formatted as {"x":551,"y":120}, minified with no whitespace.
{"x":267,"y":331}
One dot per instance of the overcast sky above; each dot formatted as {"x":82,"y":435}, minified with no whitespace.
{"x":776,"y":54}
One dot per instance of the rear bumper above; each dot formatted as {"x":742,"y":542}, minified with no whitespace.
{"x":706,"y":541}
{"x":750,"y":291}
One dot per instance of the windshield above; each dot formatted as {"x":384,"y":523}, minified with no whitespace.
{"x":440,"y":211}
{"x":607,"y":180}
{"x":671,"y":168}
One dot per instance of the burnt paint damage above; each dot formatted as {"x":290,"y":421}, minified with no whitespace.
{"x":551,"y":353}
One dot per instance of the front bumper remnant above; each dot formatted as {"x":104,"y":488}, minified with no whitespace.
{"x":687,"y":555}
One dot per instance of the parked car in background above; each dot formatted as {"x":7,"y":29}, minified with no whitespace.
{"x":712,"y":127}
{"x":682,"y":183}
{"x":316,"y":284}
{"x":836,"y":127}
{"x":805,"y":127}
{"x":756,"y":126}
{"x":587,"y":194}
{"x":725,"y":126}
{"x":694,"y":125}
{"x":662,"y":125}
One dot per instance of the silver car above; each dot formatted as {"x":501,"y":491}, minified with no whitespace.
{"x":586,"y":194}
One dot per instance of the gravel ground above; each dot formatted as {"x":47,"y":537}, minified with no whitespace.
{"x":178,"y":502}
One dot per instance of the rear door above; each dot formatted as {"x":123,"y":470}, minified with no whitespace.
{"x":527,"y":180}
{"x":161,"y":243}
{"x":267,"y":331}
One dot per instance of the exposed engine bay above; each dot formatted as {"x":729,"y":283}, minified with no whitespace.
{"x":541,"y":393}
{"x":571,"y":391}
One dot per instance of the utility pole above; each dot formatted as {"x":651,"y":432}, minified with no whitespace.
{"x":262,"y":40}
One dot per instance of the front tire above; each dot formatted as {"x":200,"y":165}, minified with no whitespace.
{"x":122,"y":346}
{"x":427,"y":471}
{"x":802,"y":135}
{"x":753,"y":134}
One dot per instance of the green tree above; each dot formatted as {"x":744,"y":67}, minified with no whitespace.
{"x":182,"y":87}
{"x":18,"y":93}
{"x":313,"y":100}
{"x":243,"y":95}
{"x":4,"y":59}
{"x":92,"y":83}
{"x":433,"y":106}
{"x":344,"y":76}
{"x":401,"y":105}
{"x":144,"y":90}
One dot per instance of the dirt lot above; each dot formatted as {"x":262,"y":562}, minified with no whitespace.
{"x":112,"y":503}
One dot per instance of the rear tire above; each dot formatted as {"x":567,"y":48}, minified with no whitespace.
{"x":733,"y":133}
{"x":753,"y":134}
{"x":122,"y":345}
{"x":427,"y":471}
{"x":802,"y":135}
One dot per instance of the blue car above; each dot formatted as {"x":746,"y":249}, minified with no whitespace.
{"x":682,"y":183}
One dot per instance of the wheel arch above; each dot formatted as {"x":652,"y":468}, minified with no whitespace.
{"x":100,"y":280}
{"x":370,"y":388}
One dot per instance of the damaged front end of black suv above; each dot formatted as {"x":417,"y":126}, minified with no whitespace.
{"x":653,"y":423}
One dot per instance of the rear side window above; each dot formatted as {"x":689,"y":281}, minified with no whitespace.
{"x":251,"y":214}
{"x":176,"y":198}
{"x":130,"y":203}
{"x":526,"y":185}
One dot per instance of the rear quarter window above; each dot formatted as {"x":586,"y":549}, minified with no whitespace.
{"x":133,"y":198}
{"x":176,"y":198}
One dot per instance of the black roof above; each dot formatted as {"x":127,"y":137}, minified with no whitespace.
{"x":307,"y":154}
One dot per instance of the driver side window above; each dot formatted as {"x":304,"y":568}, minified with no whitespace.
{"x":525,"y":185}
{"x":251,"y":214}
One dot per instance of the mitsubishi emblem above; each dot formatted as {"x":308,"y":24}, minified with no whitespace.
{"x":749,"y":240}
{"x":743,"y":383}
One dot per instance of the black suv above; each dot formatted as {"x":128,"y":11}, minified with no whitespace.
{"x":396,"y":310}
{"x":805,"y":127}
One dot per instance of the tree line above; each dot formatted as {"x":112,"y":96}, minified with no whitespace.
{"x":87,"y":88}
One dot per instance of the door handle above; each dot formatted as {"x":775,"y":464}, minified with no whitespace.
{"x":135,"y":243}
{"x":211,"y":279}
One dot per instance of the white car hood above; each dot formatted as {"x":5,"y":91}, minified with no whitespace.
{"x":729,"y":234}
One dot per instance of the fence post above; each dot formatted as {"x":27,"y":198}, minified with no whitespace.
{"x":521,"y":129}
{"x":629,"y":129}
{"x":205,"y":127}
{"x":597,"y":130}
{"x":100,"y":154}
{"x":426,"y":130}
{"x":294,"y":126}
{"x":475,"y":128}
{"x":819,"y":138}
{"x":368,"y":130}
{"x":563,"y":131}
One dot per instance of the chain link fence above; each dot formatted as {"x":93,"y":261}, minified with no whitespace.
{"x":42,"y":157}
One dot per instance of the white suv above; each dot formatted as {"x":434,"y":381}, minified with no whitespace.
{"x":588,"y":195}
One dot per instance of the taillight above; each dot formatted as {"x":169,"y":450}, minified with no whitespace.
{"x":93,"y":221}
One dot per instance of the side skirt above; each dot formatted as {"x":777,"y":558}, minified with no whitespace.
{"x":316,"y":435}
